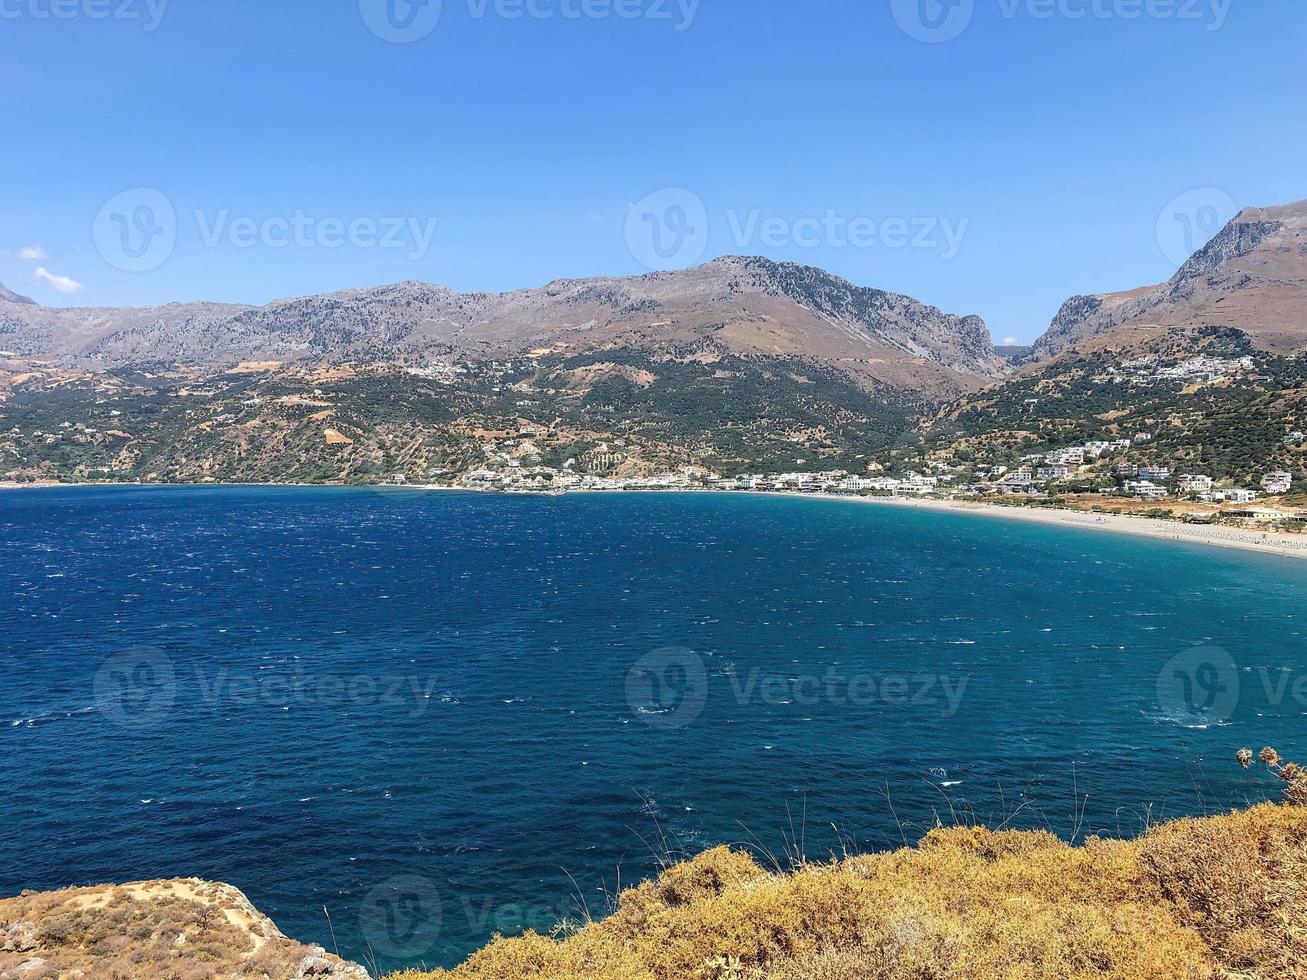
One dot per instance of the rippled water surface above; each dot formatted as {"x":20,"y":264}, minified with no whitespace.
{"x":431,"y":712}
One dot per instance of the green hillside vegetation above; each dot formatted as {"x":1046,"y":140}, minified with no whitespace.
{"x":1230,"y":428}
{"x":168,"y":425}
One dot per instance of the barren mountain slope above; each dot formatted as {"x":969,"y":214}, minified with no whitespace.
{"x":729,"y":306}
{"x":1251,"y":276}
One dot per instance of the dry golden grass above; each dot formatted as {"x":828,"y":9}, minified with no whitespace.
{"x":1221,"y":896}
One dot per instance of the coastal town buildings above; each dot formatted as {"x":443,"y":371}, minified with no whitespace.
{"x":514,"y":461}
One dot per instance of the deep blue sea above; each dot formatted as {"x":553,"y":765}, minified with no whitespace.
{"x":445,"y":715}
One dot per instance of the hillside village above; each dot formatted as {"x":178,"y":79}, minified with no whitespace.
{"x":1100,"y":475}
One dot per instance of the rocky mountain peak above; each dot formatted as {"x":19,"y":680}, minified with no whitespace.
{"x":1244,"y":234}
{"x":7,"y":295}
{"x":1251,"y":276}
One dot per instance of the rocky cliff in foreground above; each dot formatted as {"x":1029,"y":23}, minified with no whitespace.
{"x":185,"y":929}
{"x":1198,"y":899}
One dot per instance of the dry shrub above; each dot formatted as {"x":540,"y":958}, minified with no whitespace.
{"x":1294,"y":775}
{"x":136,"y":932}
{"x":1241,"y":882}
{"x":1196,"y":899}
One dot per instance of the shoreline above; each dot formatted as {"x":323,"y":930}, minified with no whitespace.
{"x":1278,"y":543}
{"x":1214,"y":535}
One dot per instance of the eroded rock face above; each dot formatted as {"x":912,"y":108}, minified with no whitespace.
{"x":29,"y":968}
{"x":318,"y":965}
{"x":1252,"y":276}
{"x":173,"y":926}
{"x":20,"y":937}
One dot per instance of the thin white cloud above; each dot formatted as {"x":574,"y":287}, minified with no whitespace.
{"x":62,"y":283}
{"x":32,"y":253}
{"x":1010,"y":342}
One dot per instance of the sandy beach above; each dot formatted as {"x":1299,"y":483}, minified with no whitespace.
{"x":1219,"y":536}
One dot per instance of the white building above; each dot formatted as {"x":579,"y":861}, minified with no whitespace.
{"x":1277,"y":482}
{"x":1194,"y":483}
{"x":1144,"y":489}
{"x":1236,"y":496}
{"x":1067,"y":457}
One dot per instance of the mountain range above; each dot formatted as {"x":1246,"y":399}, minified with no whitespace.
{"x":734,"y":305}
{"x":742,"y":362}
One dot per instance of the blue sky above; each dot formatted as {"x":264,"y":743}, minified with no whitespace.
{"x":286,"y":147}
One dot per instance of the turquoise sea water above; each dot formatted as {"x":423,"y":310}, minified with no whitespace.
{"x":432,"y":712}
